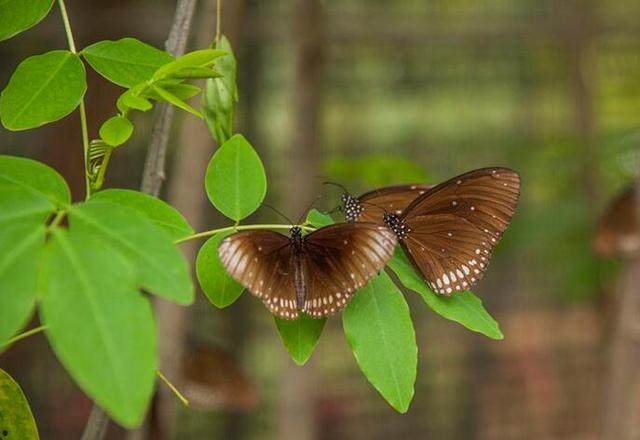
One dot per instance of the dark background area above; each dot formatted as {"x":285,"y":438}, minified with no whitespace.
{"x":370,"y":93}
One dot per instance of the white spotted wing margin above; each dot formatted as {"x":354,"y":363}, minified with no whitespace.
{"x":334,"y":262}
{"x":455,"y":226}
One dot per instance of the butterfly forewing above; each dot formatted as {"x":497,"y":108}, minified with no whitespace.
{"x":390,"y":198}
{"x":455,"y":225}
{"x":262,"y":261}
{"x":339,"y":259}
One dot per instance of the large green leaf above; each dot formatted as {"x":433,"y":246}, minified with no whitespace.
{"x":43,"y":89}
{"x":159,"y":212}
{"x":19,"y":15}
{"x":16,"y":419}
{"x":462,"y":307}
{"x":217,"y":285}
{"x":22,"y":232}
{"x":378,"y":327}
{"x":34,"y":177}
{"x":125,"y":62}
{"x":99,"y":325}
{"x":161,"y":266}
{"x":221,"y":95}
{"x":235,"y":181}
{"x":300,"y":336}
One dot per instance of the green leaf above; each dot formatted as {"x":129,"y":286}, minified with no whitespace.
{"x":16,"y":418}
{"x":130,"y":100}
{"x":116,"y":130}
{"x":99,"y":325}
{"x":19,"y":15}
{"x":22,"y":232}
{"x":221,"y":95}
{"x":300,"y":336}
{"x":197,"y":58}
{"x":235,"y":181}
{"x":182,"y":91}
{"x":125,"y":62}
{"x":159,"y":212}
{"x":43,"y":89}
{"x":174,"y":100}
{"x":378,"y":327}
{"x":195,"y":73}
{"x":462,"y":307}
{"x":217,"y":285}
{"x":35,"y":178}
{"x":319,"y":219}
{"x":161,"y":266}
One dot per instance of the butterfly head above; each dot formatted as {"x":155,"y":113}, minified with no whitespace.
{"x":397,"y":225}
{"x":351,"y":207}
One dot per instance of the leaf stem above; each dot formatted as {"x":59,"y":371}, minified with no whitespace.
{"x":56,"y":220}
{"x":173,"y":388}
{"x":81,"y":108}
{"x":24,"y":335}
{"x":238,"y":228}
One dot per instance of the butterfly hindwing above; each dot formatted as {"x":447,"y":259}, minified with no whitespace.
{"x":263,"y":262}
{"x":341,"y":258}
{"x":455,"y":226}
{"x":394,"y":198}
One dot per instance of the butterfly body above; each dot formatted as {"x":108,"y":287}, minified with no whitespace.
{"x":317,"y":273}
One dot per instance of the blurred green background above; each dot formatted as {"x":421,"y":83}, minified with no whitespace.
{"x":402,"y":91}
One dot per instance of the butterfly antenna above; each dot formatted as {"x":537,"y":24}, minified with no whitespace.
{"x":328,"y":182}
{"x":279,"y":213}
{"x":313,"y":202}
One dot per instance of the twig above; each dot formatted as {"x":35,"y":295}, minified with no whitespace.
{"x":153,"y":173}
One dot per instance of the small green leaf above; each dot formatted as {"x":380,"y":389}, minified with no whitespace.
{"x":22,"y":232}
{"x":194,"y":73}
{"x":129,"y":100}
{"x":378,"y":327}
{"x":43,"y":89}
{"x":462,"y":307}
{"x":217,"y":285}
{"x":221,"y":95}
{"x":159,"y":212}
{"x":235,"y":181}
{"x":161,"y":266}
{"x":197,"y":58}
{"x":99,"y":325}
{"x":300,"y":336}
{"x":16,"y":418}
{"x":126,"y":62}
{"x":35,"y":178}
{"x":319,"y":219}
{"x":19,"y":15}
{"x":174,"y":100}
{"x":182,"y":91}
{"x":116,"y":130}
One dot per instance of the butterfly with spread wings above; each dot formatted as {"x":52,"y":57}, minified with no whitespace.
{"x":317,"y":273}
{"x":448,"y":231}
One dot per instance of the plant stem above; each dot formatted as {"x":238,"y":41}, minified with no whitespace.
{"x":24,"y":335}
{"x":173,"y":388}
{"x":218,"y":19}
{"x":239,"y":228}
{"x":81,"y":107}
{"x":56,"y":220}
{"x":97,"y":425}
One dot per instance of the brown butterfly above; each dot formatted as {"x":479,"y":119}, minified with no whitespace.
{"x":449,"y":231}
{"x":317,"y":273}
{"x":618,"y":234}
{"x":214,"y":381}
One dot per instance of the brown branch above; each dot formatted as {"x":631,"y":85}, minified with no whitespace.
{"x":153,"y":174}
